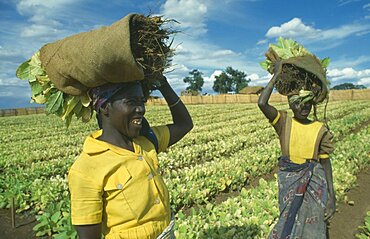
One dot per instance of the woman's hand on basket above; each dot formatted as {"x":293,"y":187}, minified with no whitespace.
{"x":277,"y":70}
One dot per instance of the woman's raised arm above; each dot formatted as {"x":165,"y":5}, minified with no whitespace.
{"x":182,"y":122}
{"x":269,"y":111}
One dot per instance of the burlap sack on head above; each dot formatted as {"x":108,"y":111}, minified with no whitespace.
{"x":89,"y":59}
{"x":312,"y":65}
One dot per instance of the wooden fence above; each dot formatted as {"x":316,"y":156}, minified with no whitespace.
{"x":21,"y":111}
{"x":335,"y":95}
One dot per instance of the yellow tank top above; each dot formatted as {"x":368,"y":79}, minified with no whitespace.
{"x":302,"y":141}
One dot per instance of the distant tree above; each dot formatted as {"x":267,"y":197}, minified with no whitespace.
{"x":195,"y":81}
{"x":348,"y":86}
{"x":230,"y":80}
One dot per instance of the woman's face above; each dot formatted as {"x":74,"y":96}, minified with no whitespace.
{"x":127,"y":109}
{"x":301,"y":111}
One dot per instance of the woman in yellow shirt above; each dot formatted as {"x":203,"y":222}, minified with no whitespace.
{"x":115,"y":184}
{"x":306,"y":193}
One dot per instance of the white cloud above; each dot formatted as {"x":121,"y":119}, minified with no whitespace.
{"x":294,"y":28}
{"x":257,"y":80}
{"x":344,"y":31}
{"x":364,"y":81}
{"x":253,"y":76}
{"x":349,"y":74}
{"x":4,"y":52}
{"x":194,"y":50}
{"x":345,"y":2}
{"x":223,"y":53}
{"x":208,"y":81}
{"x":30,"y":7}
{"x":261,"y":42}
{"x":200,"y":54}
{"x":190,"y":13}
{"x":367,"y":7}
{"x":12,"y":82}
{"x":44,"y":17}
{"x":342,"y":62}
{"x":212,"y":78}
{"x":338,"y":74}
{"x":39,"y":31}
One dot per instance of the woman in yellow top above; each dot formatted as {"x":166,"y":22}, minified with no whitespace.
{"x":115,"y":184}
{"x":306,"y":193}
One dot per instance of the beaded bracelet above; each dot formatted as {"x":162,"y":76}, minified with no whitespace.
{"x":174,"y":104}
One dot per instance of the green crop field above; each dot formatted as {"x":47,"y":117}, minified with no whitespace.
{"x":208,"y":172}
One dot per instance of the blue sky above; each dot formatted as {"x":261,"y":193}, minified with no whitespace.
{"x":214,"y":35}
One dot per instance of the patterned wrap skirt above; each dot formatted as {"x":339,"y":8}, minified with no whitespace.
{"x":302,"y":198}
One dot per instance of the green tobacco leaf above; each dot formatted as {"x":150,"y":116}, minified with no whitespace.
{"x":68,"y":120}
{"x":77,"y":110}
{"x":325,"y":62}
{"x":36,"y":88}
{"x":85,"y":99}
{"x":70,"y":106}
{"x":86,"y":114}
{"x":35,"y":59}
{"x":23,"y":71}
{"x":39,"y":99}
{"x":43,"y":78}
{"x":284,"y":53}
{"x":263,"y":64}
{"x":43,"y":222}
{"x":55,"y":217}
{"x":55,"y":102}
{"x":36,"y":71}
{"x":286,"y":43}
{"x":307,"y":99}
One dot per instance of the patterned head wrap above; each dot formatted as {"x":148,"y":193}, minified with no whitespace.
{"x":101,"y":94}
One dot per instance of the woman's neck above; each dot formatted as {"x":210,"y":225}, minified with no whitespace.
{"x":114,"y":137}
{"x":303,"y":121}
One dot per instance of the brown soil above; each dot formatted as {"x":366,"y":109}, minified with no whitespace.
{"x":23,"y":226}
{"x":345,"y":222}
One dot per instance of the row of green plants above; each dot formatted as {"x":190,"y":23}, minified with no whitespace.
{"x":233,"y":171}
{"x":36,"y":161}
{"x":205,"y":146}
{"x":253,"y":212}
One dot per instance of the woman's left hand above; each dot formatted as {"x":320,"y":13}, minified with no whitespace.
{"x":330,"y":208}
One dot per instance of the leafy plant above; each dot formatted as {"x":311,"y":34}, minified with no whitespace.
{"x":55,"y":222}
{"x":364,"y":230}
{"x":44,"y":91}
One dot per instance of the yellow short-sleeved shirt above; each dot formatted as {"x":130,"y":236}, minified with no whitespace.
{"x":119,"y":188}
{"x":302,"y":141}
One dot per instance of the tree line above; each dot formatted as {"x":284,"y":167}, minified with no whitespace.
{"x":229,"y":81}
{"x":232,"y":81}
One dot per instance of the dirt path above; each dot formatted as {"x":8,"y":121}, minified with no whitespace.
{"x":345,"y":222}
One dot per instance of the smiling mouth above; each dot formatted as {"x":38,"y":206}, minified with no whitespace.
{"x":137,"y":121}
{"x":305,"y":112}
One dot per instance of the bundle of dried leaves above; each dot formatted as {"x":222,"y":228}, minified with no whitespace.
{"x":292,"y":79}
{"x":151,"y":47}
